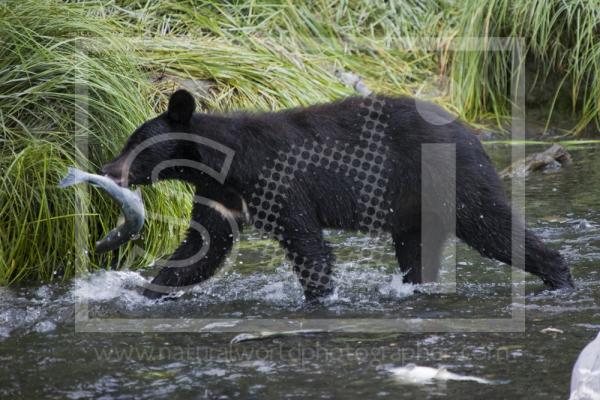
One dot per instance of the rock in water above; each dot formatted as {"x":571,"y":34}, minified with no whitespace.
{"x":551,"y":159}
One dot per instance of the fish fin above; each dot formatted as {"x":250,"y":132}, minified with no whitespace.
{"x":138,"y":193}
{"x":73,"y":177}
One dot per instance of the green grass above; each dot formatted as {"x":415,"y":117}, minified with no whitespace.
{"x":77,"y":77}
{"x":562,"y":51}
{"x":65,"y":81}
{"x":280,"y":53}
{"x":276,"y":54}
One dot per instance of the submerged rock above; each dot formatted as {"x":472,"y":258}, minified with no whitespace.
{"x":550,"y":160}
{"x":584,"y":225}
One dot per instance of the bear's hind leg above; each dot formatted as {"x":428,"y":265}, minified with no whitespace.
{"x":408,"y":254}
{"x":419,"y":255}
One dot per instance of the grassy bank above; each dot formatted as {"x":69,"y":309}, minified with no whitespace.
{"x":76,"y":78}
{"x":561,"y":45}
{"x":70,"y":94}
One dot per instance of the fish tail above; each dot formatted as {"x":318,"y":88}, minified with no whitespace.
{"x":73,"y":177}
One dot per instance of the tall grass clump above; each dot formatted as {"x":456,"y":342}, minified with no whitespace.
{"x":275,"y":54}
{"x":562,"y":58}
{"x":69,"y":95}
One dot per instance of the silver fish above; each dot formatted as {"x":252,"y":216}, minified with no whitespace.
{"x":246,"y":337}
{"x":130,"y":202}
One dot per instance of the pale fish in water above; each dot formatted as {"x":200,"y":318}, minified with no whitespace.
{"x":418,"y":375}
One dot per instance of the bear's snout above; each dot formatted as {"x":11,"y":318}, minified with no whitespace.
{"x":114,"y":170}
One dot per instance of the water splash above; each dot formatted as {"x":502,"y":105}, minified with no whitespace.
{"x":104,"y":286}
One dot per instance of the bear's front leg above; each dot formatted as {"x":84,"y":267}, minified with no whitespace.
{"x":312,"y":262}
{"x":302,"y":239}
{"x":208,"y":240}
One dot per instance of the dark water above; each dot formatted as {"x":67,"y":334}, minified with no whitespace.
{"x":43,"y":356}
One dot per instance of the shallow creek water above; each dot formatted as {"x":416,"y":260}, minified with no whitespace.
{"x":42,"y":354}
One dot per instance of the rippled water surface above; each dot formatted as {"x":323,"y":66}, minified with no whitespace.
{"x":42,"y":355}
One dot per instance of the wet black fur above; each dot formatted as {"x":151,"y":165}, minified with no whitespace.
{"x":324,"y":199}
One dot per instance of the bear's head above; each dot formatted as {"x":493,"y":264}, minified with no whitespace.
{"x":149,"y":149}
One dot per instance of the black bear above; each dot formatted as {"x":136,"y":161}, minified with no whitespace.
{"x":354,"y":164}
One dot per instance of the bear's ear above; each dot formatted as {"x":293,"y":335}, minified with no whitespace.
{"x":181,"y":106}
